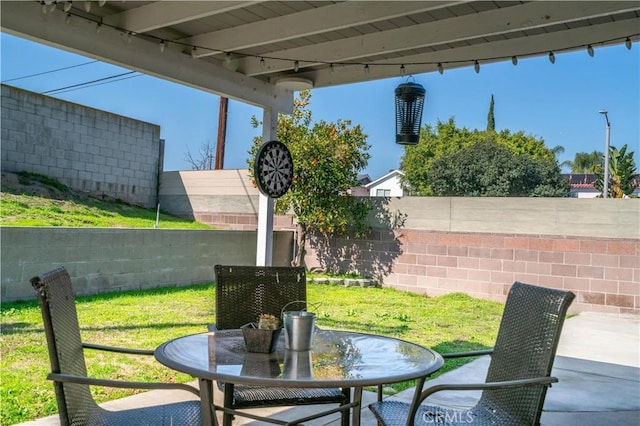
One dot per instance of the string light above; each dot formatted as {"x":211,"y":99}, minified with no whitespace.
{"x":263,"y":64}
{"x":402,"y":70}
{"x":102,"y":3}
{"x":296,"y":65}
{"x":129,"y":37}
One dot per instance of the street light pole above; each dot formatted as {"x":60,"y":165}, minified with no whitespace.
{"x":605,"y":192}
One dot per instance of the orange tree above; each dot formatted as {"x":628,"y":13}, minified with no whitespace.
{"x":327,"y":158}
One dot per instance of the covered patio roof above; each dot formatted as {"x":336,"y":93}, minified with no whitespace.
{"x":261,"y":52}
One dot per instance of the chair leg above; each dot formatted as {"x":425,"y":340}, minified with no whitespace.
{"x":227,"y":418}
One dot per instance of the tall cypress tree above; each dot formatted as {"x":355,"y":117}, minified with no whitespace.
{"x":491,"y":121}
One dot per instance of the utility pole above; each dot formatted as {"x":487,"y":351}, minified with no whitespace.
{"x":605,"y":191}
{"x":222,"y":132}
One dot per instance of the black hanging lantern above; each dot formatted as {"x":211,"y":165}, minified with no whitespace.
{"x":409,"y":105}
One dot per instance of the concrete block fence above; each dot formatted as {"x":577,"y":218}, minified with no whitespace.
{"x":603,"y":273}
{"x":103,"y":260}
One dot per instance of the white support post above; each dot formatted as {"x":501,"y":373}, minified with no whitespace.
{"x":264,"y":250}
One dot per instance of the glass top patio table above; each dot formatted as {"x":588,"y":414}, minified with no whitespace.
{"x":336,"y":359}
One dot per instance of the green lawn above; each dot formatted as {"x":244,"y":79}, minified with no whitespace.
{"x":145,"y":319}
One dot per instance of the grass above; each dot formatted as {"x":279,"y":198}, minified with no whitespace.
{"x":38,"y":200}
{"x":144,"y":319}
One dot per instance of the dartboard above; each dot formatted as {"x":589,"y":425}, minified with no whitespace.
{"x":273,"y":169}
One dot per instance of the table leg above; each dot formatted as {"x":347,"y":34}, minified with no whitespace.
{"x":357,"y":397}
{"x":206,"y":400}
{"x":228,"y":402}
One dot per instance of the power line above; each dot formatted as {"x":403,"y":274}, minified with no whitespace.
{"x":49,"y":72}
{"x":87,"y":83}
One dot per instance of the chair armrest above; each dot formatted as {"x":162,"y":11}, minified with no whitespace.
{"x":118,"y":349}
{"x":467,"y":354}
{"x":537,"y":381}
{"x":83,"y":380}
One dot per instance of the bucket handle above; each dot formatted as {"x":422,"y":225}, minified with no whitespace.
{"x":297,"y":301}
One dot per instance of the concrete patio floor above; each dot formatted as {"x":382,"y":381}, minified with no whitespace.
{"x":597,"y":364}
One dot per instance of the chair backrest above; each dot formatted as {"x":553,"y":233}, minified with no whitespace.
{"x":525,"y":348}
{"x":62,"y":331}
{"x":245,"y":292}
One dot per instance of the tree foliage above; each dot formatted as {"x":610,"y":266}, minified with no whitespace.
{"x":447,"y":139}
{"x":327,"y":158}
{"x":491,"y":119}
{"x":489,"y":169}
{"x":623,"y":178}
{"x":586,"y":163}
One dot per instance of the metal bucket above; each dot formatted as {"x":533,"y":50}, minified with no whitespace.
{"x":298,"y":329}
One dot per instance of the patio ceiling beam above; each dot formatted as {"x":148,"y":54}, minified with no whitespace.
{"x":79,"y":35}
{"x":163,"y":14}
{"x":309,"y":22}
{"x":524,"y":46}
{"x":508,"y":20}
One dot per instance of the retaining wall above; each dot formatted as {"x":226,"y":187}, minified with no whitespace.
{"x":87,"y":149}
{"x":102,"y":260}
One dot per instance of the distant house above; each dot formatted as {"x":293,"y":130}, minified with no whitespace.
{"x":582,"y":186}
{"x":388,"y":185}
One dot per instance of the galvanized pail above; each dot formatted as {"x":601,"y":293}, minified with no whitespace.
{"x":298,"y":329}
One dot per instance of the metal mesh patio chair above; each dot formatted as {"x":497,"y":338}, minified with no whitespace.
{"x":242,"y":294}
{"x":519,"y":372}
{"x":76,"y":406}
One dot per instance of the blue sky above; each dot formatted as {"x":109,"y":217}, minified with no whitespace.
{"x":558,"y":103}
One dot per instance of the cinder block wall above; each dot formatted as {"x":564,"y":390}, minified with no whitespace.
{"x":86,"y":149}
{"x":102,"y":260}
{"x":480,"y":246}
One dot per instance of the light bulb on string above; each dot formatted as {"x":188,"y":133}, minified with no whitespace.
{"x":296,"y":66}
{"x":163,"y":46}
{"x":590,"y":50}
{"x":331,"y":69}
{"x":87,"y":6}
{"x":627,"y":43}
{"x":476,"y":66}
{"x":263,"y":64}
{"x":44,"y":7}
{"x":98,"y":28}
{"x":440,"y":68}
{"x":52,"y":7}
{"x":366,"y":68}
{"x":552,"y":58}
{"x":102,"y":3}
{"x":402,"y":70}
{"x":67,"y":18}
{"x":193,"y":53}
{"x":514,"y":60}
{"x":67,"y":6}
{"x":129,"y":37}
